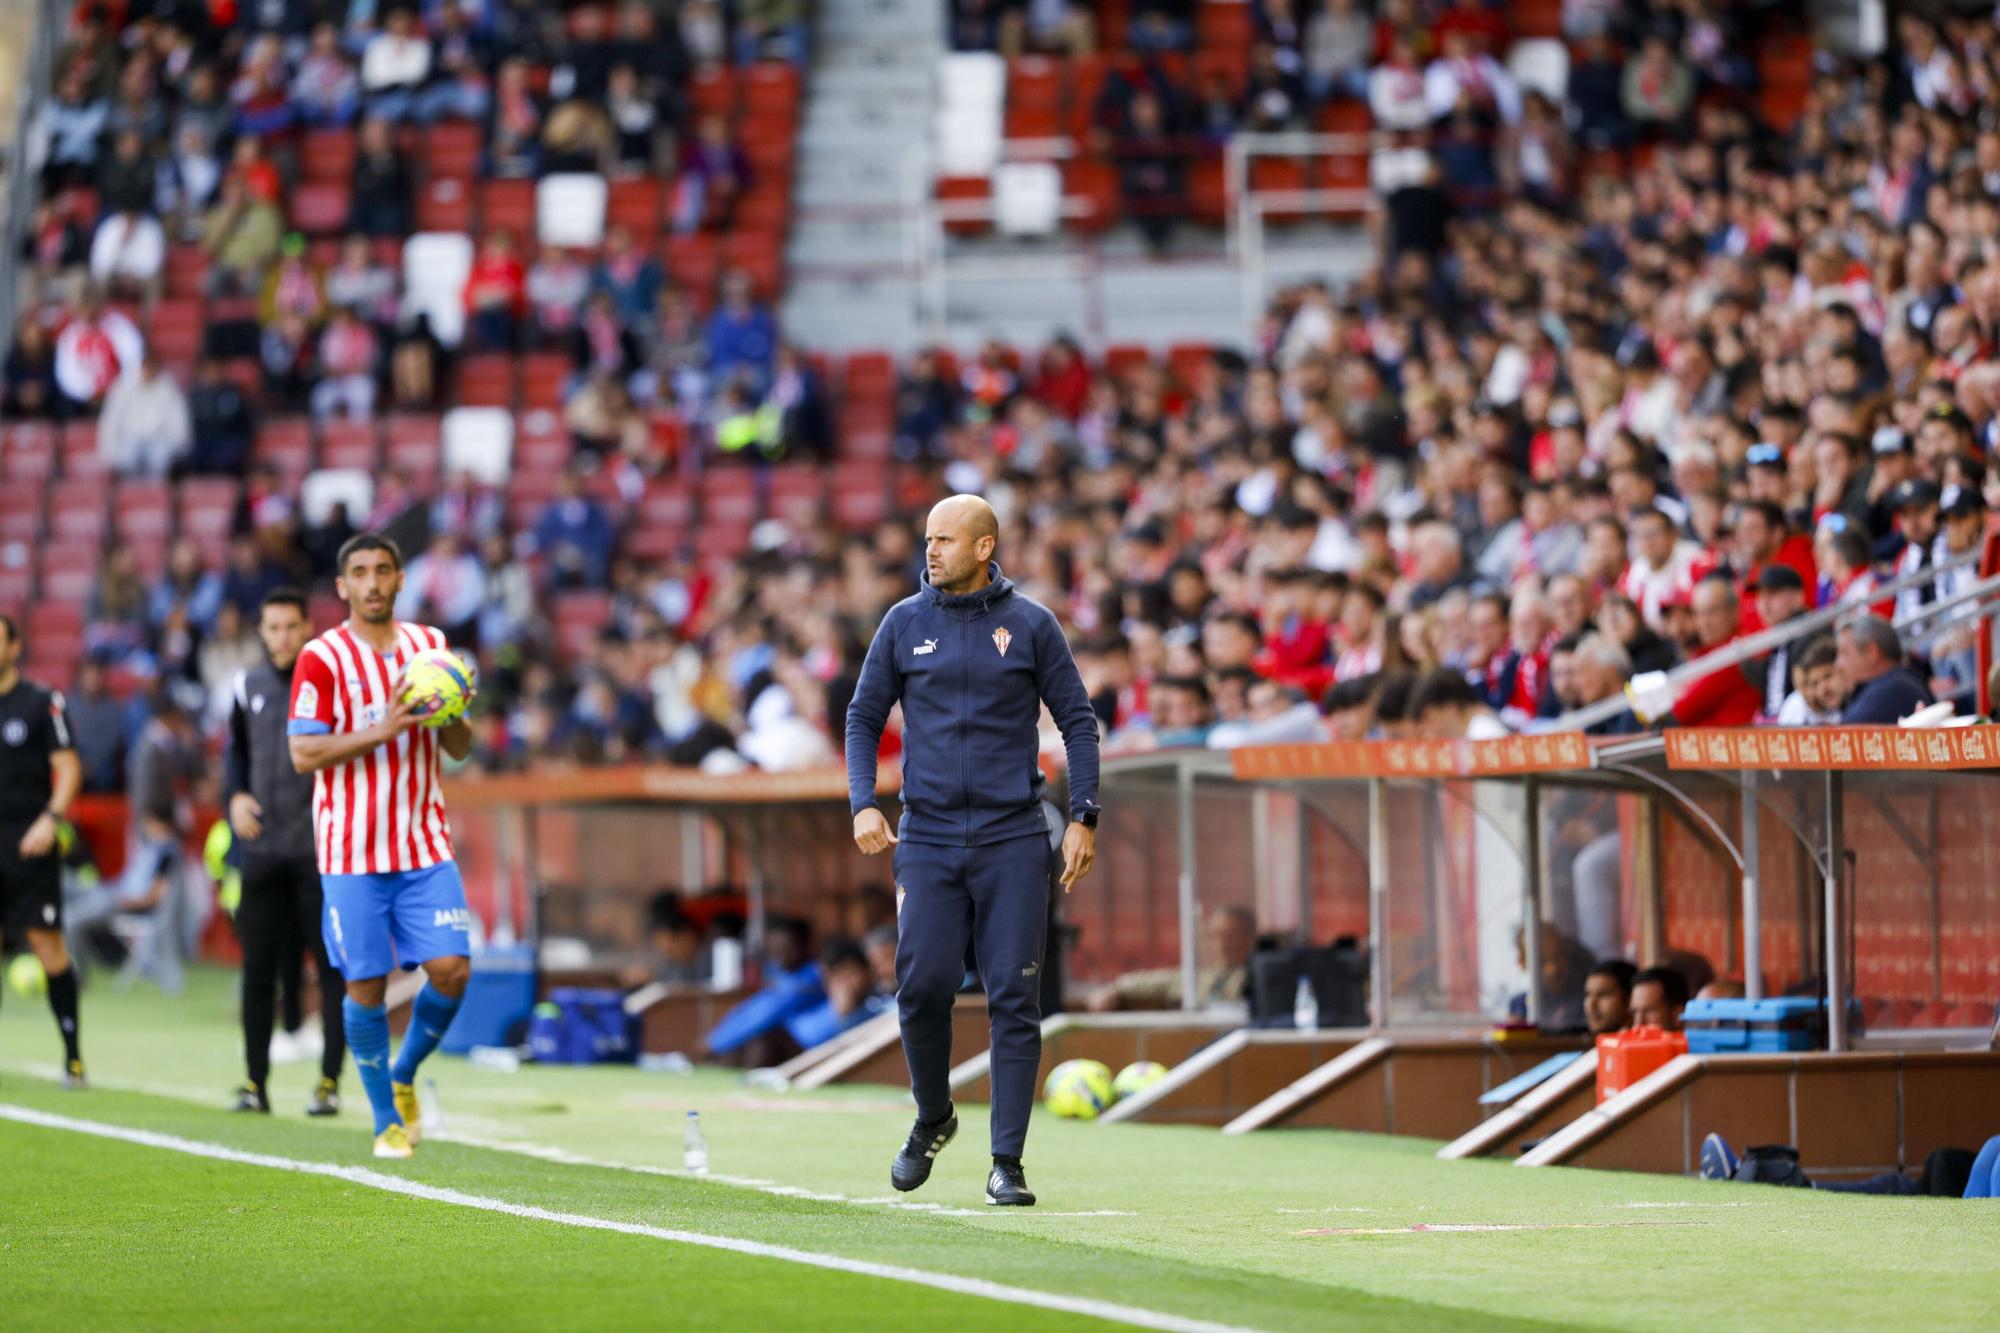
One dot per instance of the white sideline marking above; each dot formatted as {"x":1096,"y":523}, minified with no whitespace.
{"x":355,"y":1175}
{"x":564,"y":1157}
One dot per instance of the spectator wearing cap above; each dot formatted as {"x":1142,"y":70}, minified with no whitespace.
{"x":1915,"y":505}
{"x":1781,"y":597}
{"x":1886,"y":690}
{"x":1953,"y":636}
{"x":1892,"y":462}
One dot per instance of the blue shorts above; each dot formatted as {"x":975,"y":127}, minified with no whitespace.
{"x":374,"y":923}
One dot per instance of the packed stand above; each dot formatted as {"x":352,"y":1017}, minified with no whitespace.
{"x":1479,"y":101}
{"x":482,"y":273}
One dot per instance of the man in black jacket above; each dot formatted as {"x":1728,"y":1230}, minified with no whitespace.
{"x":972,"y":661}
{"x":1885,"y":689}
{"x":270,"y":812}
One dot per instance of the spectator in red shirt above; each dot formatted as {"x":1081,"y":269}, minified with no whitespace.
{"x":1763,"y":537}
{"x":496,"y":294}
{"x":1724,"y":698}
{"x":1064,"y":380}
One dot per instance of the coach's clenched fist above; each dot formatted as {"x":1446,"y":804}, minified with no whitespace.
{"x":871,"y":832}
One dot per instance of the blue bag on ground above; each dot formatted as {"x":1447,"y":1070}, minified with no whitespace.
{"x":498,"y":999}
{"x":584,"y":1027}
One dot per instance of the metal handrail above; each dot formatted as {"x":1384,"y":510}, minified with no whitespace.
{"x":1738,"y":651}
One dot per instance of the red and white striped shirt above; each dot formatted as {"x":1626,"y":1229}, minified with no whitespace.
{"x":383,"y":812}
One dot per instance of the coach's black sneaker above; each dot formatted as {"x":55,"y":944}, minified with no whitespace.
{"x":1007,"y":1187}
{"x":73,"y":1078}
{"x":325,"y":1099}
{"x":250,"y":1097}
{"x":912,"y":1166}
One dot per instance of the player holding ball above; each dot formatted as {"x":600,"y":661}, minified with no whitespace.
{"x":373,"y":702}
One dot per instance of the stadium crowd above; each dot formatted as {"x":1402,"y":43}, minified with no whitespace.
{"x":1634,"y":377}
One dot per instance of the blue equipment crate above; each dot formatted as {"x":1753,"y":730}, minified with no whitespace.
{"x":498,"y":999}
{"x":1784,"y":1023}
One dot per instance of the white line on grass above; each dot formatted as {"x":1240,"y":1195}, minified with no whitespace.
{"x":564,"y":1157}
{"x":355,"y":1175}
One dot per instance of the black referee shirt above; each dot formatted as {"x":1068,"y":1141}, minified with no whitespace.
{"x":34,"y":724}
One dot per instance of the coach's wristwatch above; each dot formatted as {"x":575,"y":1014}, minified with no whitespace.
{"x":1087,"y":818}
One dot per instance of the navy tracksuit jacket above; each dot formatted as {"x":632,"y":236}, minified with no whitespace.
{"x":972,"y":862}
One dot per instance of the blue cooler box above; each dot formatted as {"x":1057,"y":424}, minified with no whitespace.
{"x":498,"y":1000}
{"x":1787,"y":1023}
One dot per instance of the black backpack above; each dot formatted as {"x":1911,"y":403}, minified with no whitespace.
{"x":1772,"y":1164}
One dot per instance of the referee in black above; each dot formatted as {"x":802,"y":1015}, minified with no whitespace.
{"x":971,"y":660}
{"x":270,"y":813}
{"x":39,"y":776}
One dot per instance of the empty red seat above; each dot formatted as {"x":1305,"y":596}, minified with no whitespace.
{"x":691,"y":262}
{"x":76,"y":512}
{"x":966,"y":193}
{"x":176,"y":331}
{"x":452,"y":149}
{"x":770,"y":85}
{"x":580,"y":617}
{"x":445,"y":204}
{"x":507,"y":205}
{"x":327,"y":155}
{"x":285,"y":443}
{"x":28,"y":451}
{"x":319,"y":208}
{"x":415,"y":446}
{"x":17,"y":585}
{"x":713,"y":90}
{"x":866,"y":429}
{"x":207,"y":506}
{"x":860,"y":495}
{"x":667,"y":502}
{"x":634,"y":202}
{"x":1188,"y":362}
{"x":486,"y":380}
{"x":349,"y":444}
{"x":718,"y":543}
{"x":20,"y":514}
{"x":869,"y":376}
{"x":541,"y":456}
{"x":797,"y":493}
{"x":1121,"y":359}
{"x":543,"y":375}
{"x":69,"y":573}
{"x":186,"y":270}
{"x":1224,"y":25}
{"x":728,"y":495}
{"x":1092,"y":182}
{"x":759,"y":254}
{"x":79,"y":440}
{"x":142,"y":511}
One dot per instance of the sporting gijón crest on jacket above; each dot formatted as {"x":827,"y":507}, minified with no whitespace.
{"x":972,"y":673}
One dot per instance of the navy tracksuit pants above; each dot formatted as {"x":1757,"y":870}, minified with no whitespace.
{"x":995,"y":898}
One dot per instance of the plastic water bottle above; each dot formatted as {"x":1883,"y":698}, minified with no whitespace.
{"x":499,"y":1059}
{"x":694,"y":1153}
{"x":430,"y":1107}
{"x":1305,"y":1006}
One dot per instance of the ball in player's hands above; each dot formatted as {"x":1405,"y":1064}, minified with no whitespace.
{"x":440,"y":684}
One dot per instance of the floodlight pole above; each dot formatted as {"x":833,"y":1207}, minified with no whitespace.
{"x":1753,"y":894}
{"x":1833,"y":872}
{"x":1378,"y":901}
{"x":1184,"y":801}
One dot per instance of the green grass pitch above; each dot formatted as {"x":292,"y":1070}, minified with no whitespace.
{"x":1283,"y":1230}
